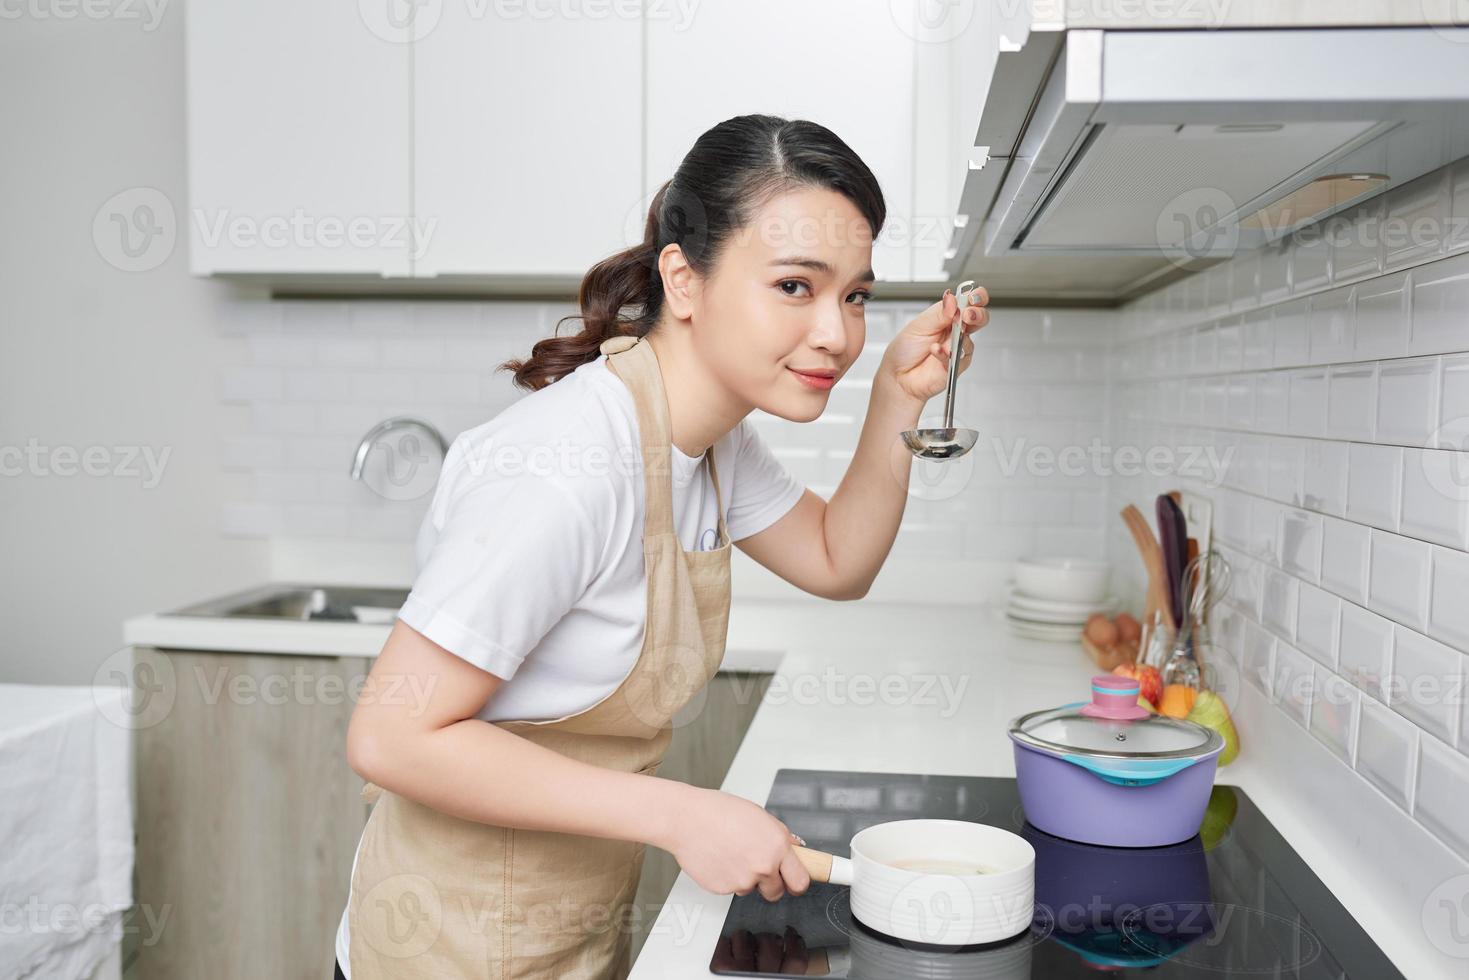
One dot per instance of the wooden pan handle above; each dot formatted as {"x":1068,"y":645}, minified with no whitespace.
{"x":824,"y":867}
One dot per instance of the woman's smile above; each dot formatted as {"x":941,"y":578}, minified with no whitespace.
{"x":819,"y":378}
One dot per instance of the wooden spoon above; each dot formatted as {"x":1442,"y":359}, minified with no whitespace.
{"x":1152,"y":556}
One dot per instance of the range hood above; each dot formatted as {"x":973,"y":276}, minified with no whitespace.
{"x":1179,"y":147}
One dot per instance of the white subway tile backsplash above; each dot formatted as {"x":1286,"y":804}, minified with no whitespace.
{"x":1381,"y":323}
{"x":1259,"y":341}
{"x":1244,"y":281}
{"x":1344,"y":551}
{"x":318,"y":385}
{"x":1308,"y":402}
{"x":1283,"y":469}
{"x":1340,"y":389}
{"x":1309,"y":261}
{"x":1278,"y":603}
{"x":1352,"y":402}
{"x":347,"y":352}
{"x":1365,"y":648}
{"x":1414,"y":220}
{"x":1427,"y":683}
{"x":1228,"y":345}
{"x":1300,"y":544}
{"x":1453,"y":413}
{"x":1265,"y":530}
{"x":1258,"y":660}
{"x":277,"y":418}
{"x":1239,"y":401}
{"x":1354,"y":245}
{"x":1407,"y":393}
{"x":1295,"y":679}
{"x":1398,"y":579}
{"x":247,"y":384}
{"x":1436,"y":496}
{"x":285,"y":486}
{"x":1324,"y":477}
{"x":1386,"y":744}
{"x":246,"y":452}
{"x":1291,"y":341}
{"x":1274,"y":271}
{"x":249,"y":519}
{"x":1334,"y":714}
{"x":1458,"y":193}
{"x":1440,"y":306}
{"x":1317,"y":612}
{"x":1442,"y":788}
{"x":321,"y":317}
{"x":1272,"y":401}
{"x":1448,"y":607}
{"x":1373,"y":477}
{"x":413,"y":353}
{"x":1330,"y":326}
{"x":381,"y":318}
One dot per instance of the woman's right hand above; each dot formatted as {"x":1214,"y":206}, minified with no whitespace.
{"x":728,"y":844}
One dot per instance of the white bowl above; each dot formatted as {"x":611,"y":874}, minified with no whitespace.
{"x":1065,"y":579}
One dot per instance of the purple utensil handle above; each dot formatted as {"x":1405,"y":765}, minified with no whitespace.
{"x":1067,"y":800}
{"x":1173,"y":534}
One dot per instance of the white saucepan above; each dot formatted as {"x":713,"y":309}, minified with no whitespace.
{"x":942,"y":882}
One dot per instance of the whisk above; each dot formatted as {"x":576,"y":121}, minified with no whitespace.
{"x":1205,"y":581}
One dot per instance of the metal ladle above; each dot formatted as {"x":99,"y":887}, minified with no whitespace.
{"x":947,"y":442}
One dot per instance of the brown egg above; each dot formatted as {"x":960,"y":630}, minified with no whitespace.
{"x":1128,"y":629}
{"x":1101,"y":630}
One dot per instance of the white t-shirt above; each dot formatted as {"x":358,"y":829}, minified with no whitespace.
{"x":530,"y":558}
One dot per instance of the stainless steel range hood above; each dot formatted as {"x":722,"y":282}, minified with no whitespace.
{"x":1174,"y":147}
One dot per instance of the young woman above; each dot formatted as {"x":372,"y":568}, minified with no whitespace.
{"x":573,"y":583}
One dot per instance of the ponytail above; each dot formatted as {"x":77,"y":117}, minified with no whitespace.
{"x":622,"y":294}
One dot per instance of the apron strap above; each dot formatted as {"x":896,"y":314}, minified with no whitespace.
{"x":634,"y":362}
{"x":718,"y":498}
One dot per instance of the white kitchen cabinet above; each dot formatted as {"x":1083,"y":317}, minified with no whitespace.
{"x":298,"y":140}
{"x":849,"y":67}
{"x":527,"y":132}
{"x":517,"y":143}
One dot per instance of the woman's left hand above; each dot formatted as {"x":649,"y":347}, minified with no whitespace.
{"x":918,"y":357}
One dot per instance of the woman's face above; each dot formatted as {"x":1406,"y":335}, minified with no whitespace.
{"x":780,"y":317}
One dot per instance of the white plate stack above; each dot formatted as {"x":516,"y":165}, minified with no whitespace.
{"x":1052,"y":598}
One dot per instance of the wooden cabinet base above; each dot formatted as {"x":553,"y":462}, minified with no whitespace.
{"x":247,"y":814}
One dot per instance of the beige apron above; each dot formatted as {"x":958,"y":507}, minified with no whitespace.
{"x":437,"y":896}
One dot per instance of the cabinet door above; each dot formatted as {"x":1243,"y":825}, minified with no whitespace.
{"x":298,"y":128}
{"x":846,"y":66}
{"x":527,"y":136}
{"x":248,"y":814}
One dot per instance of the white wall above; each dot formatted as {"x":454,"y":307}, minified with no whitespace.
{"x":95,"y":358}
{"x":1331,"y":375}
{"x":313,"y":376}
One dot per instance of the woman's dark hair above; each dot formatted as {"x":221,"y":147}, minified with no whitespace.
{"x":732,"y":170}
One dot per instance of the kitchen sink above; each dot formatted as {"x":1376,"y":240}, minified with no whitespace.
{"x":298,"y":602}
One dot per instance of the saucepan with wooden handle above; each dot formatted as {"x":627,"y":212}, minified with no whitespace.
{"x":940,"y":882}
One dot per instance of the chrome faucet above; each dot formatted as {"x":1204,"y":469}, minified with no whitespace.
{"x":359,"y":459}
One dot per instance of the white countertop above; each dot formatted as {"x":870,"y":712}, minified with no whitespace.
{"x":322,"y":638}
{"x":899,"y":686}
{"x":953,"y":680}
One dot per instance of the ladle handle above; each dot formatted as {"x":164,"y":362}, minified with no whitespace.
{"x":822,"y":866}
{"x":956,"y":342}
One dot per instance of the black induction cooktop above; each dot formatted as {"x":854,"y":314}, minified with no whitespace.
{"x":1235,"y":901}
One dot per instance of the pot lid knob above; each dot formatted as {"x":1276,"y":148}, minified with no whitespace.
{"x":1115,"y":698}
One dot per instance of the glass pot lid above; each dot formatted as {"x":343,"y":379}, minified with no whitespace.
{"x":1112,"y":726}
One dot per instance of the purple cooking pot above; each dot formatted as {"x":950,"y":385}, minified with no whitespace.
{"x":1110,"y":772}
